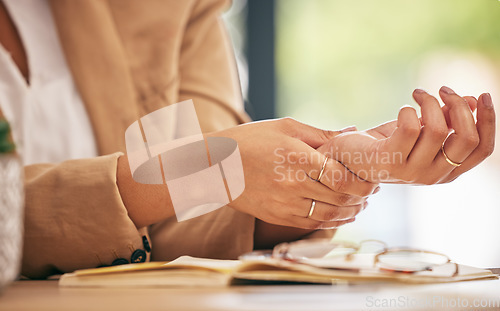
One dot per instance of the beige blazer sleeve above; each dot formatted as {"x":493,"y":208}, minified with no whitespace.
{"x":74,"y":217}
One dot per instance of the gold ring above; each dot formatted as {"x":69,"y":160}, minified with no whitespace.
{"x":455,"y":164}
{"x":311,"y":210}
{"x":322,"y":170}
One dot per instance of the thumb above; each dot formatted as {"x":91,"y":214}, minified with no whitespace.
{"x":314,"y":136}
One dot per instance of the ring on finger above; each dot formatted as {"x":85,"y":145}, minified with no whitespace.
{"x":322,"y":169}
{"x":311,"y":209}
{"x":455,"y":164}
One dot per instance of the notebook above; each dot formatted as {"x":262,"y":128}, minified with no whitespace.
{"x":189,"y":271}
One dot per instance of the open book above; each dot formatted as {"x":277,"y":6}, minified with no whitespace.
{"x":199,"y":272}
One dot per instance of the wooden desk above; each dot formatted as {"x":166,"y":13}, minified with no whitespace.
{"x":46,"y":295}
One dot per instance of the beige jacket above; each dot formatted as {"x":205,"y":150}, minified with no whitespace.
{"x":129,"y":58}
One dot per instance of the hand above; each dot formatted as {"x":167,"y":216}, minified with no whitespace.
{"x":281,"y":165}
{"x":408,"y":150}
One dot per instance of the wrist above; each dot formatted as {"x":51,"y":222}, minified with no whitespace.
{"x":146,"y":204}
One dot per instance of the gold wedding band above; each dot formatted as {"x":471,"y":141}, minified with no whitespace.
{"x":322,"y":169}
{"x":455,"y":164}
{"x":311,"y":210}
{"x":313,"y":203}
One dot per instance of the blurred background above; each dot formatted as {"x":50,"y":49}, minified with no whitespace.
{"x":335,"y":63}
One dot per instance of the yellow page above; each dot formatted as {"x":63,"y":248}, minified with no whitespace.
{"x":223,"y":266}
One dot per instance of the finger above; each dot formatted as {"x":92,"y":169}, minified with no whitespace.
{"x":307,"y":223}
{"x":406,"y":133}
{"x":465,"y":138}
{"x":277,"y":216}
{"x":384,"y":130}
{"x":338,"y":178}
{"x":335,"y":224}
{"x":327,"y":212}
{"x":307,"y":163}
{"x":433,"y":133}
{"x":312,"y":189}
{"x":471,"y":100}
{"x":311,"y":135}
{"x":486,"y":129}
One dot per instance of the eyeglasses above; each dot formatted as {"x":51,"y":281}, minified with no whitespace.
{"x":346,"y":255}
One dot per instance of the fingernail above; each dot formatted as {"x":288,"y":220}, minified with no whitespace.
{"x":447,"y":90}
{"x":487,"y":100}
{"x":419,"y":91}
{"x":376,"y":190}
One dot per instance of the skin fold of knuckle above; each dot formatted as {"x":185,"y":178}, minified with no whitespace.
{"x":470,"y":141}
{"x":330,"y":214}
{"x":287,"y":121}
{"x":353,"y":200}
{"x":286,"y":124}
{"x":343,"y":199}
{"x":409,"y":130}
{"x":327,"y":135}
{"x":438,"y":133}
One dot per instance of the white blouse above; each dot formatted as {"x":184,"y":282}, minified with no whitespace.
{"x":48,"y":119}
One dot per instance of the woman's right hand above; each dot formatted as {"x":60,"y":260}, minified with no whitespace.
{"x":281,"y":165}
{"x":412,"y":150}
